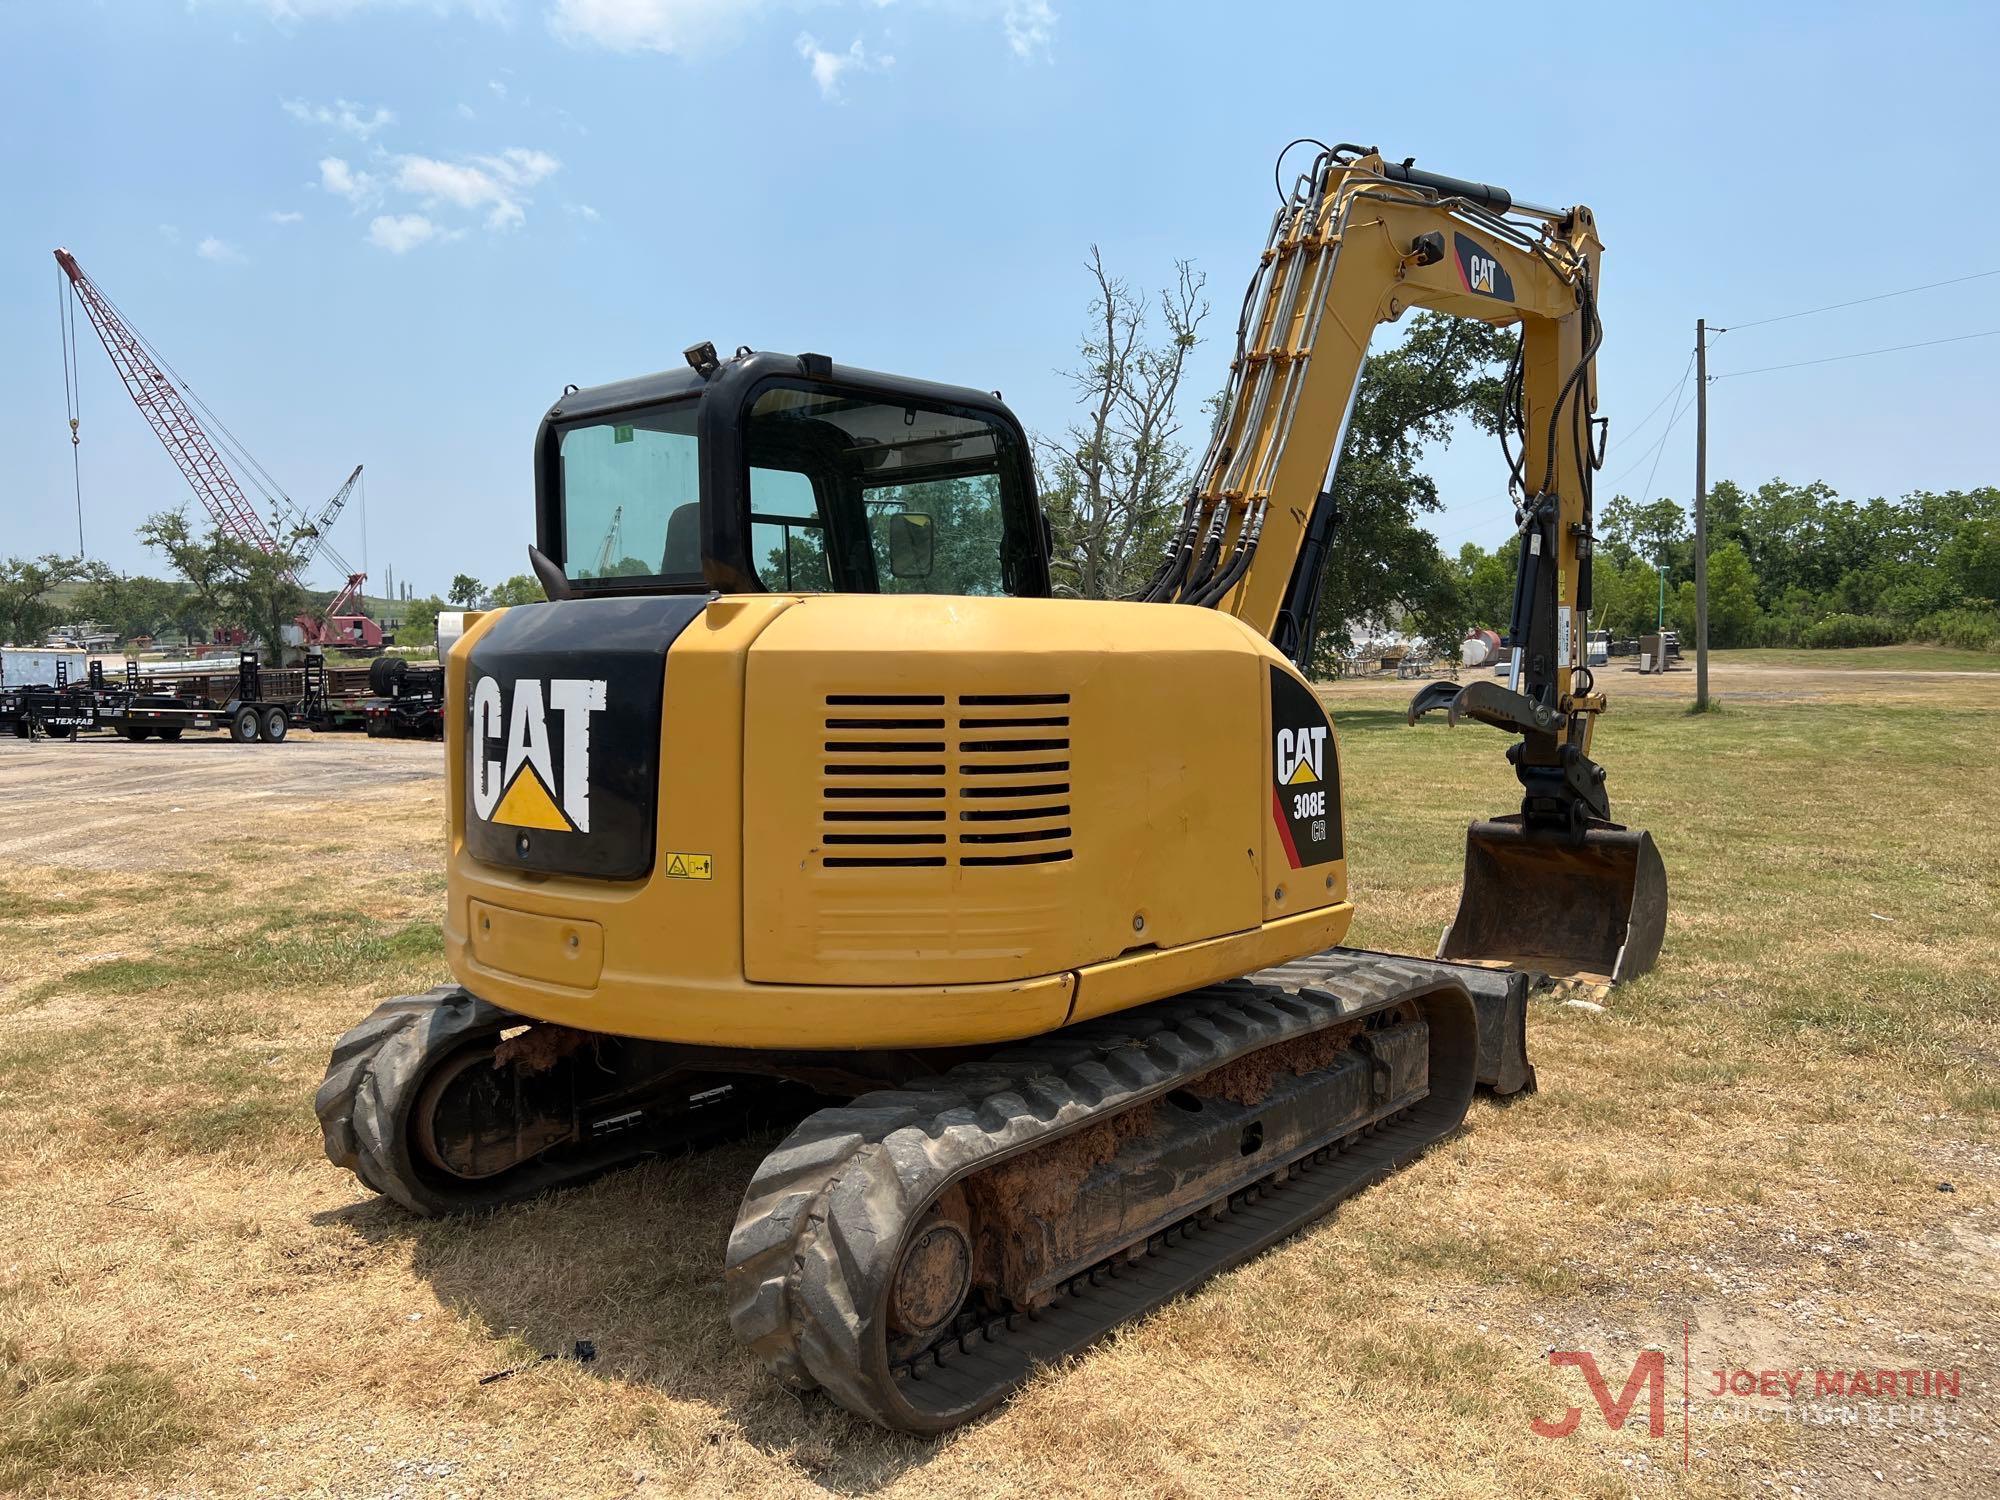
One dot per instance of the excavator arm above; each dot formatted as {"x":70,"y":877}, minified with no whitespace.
{"x":1357,"y":243}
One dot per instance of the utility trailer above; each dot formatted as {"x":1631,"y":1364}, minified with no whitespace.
{"x":57,"y":709}
{"x":408,"y":701}
{"x":245,"y":707}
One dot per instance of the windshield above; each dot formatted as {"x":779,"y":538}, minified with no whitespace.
{"x":856,"y":494}
{"x":632,"y":496}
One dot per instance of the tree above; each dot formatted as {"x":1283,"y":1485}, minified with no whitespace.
{"x":1112,"y":484}
{"x":1733,"y":615}
{"x":1972,"y":560}
{"x":25,"y":616}
{"x":237,"y":583}
{"x":1488,"y":580}
{"x":1630,"y":606}
{"x":1654,"y":531}
{"x":520,"y":589}
{"x":1382,"y":565}
{"x":130,"y":606}
{"x":420,"y":618}
{"x":465,"y":590}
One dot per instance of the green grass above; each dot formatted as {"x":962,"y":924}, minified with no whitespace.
{"x":289,"y":948}
{"x":1833,"y":872}
{"x":1905,"y":658}
{"x":61,"y":1421}
{"x":214,"y":1068}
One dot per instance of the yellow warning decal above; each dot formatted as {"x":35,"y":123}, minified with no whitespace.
{"x":528,"y":804}
{"x":684,"y":866}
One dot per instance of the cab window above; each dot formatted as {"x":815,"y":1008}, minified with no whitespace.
{"x":857,"y":494}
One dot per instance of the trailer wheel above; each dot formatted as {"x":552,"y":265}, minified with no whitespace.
{"x":135,"y":735}
{"x":243,"y":728}
{"x":170,"y":733}
{"x":276,"y":723}
{"x":378,"y":728}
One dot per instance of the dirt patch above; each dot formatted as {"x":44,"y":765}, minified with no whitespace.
{"x":1042,"y":1183}
{"x":110,"y":804}
{"x":539,"y":1048}
{"x":1250,"y":1079}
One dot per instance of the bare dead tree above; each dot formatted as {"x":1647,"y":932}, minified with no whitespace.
{"x":1112,"y":482}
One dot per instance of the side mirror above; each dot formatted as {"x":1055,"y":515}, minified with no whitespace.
{"x":910,"y":545}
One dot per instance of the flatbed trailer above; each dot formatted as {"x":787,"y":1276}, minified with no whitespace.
{"x":249,"y":713}
{"x":252,"y":703}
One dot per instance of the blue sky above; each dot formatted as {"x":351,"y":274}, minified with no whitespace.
{"x":389,"y":231}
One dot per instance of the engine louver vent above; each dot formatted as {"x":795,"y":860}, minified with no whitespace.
{"x":917,"y":780}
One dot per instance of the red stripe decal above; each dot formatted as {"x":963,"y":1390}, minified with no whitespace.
{"x":1284,"y":828}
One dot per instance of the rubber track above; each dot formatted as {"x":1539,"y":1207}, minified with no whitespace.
{"x":823,"y":1221}
{"x":371,"y":1087}
{"x":371,"y":1084}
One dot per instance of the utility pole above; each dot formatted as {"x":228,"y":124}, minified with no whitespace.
{"x":1701,"y":515}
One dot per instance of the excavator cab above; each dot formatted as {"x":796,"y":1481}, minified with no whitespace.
{"x":785,"y":474}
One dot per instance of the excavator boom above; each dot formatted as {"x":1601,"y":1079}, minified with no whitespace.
{"x":1357,"y":243}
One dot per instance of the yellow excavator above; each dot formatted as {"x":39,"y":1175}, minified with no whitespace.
{"x":813,"y":808}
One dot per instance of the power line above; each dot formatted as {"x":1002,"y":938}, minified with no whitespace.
{"x":1858,"y":301}
{"x":1672,"y":393}
{"x":1660,"y":449}
{"x":1653,"y":448}
{"x":1672,"y":390}
{"x":1859,"y":354}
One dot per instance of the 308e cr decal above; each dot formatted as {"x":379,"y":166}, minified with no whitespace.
{"x":1305,"y":776}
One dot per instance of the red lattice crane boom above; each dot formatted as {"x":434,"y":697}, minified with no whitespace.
{"x":170,"y":417}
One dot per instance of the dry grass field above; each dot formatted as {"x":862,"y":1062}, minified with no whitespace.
{"x":1781,"y":1147}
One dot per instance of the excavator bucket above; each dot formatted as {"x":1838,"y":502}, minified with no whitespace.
{"x":1593,"y":908}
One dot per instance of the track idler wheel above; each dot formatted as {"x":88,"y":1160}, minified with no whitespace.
{"x":431,"y":1102}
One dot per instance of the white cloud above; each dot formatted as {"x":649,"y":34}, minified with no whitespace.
{"x":499,"y":89}
{"x":689,"y":26}
{"x":219,"y":251}
{"x":585,"y":212}
{"x":1030,"y":26}
{"x":649,"y":25}
{"x":315,"y":10}
{"x":828,"y":67}
{"x":341,"y":115}
{"x":497,"y":184}
{"x":170,"y":233}
{"x":285,"y":216}
{"x":467,"y":112}
{"x":343,"y":181}
{"x":401,"y":233}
